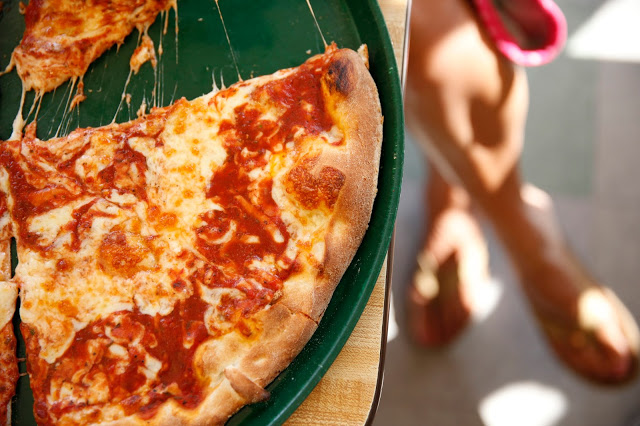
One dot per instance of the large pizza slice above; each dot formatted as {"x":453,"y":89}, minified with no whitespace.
{"x":170,"y":267}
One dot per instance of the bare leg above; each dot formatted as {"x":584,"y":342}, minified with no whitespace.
{"x":467,"y":107}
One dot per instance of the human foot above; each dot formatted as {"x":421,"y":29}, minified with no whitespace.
{"x":585,"y":323}
{"x":453,"y":259}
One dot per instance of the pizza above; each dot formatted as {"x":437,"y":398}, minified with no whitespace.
{"x":8,"y":297}
{"x":8,"y":360}
{"x":170,"y":267}
{"x":63,"y":37}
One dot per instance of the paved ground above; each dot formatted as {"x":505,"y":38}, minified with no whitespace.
{"x":583,"y":148}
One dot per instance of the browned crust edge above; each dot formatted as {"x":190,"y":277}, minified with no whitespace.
{"x":359,"y":113}
{"x":353,"y":100}
{"x":243,"y":382}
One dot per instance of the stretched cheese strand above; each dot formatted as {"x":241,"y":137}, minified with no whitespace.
{"x":317,"y":25}
{"x":226,"y":33}
{"x":18,"y":122}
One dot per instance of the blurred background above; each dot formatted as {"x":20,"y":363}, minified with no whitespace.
{"x":583,"y":147}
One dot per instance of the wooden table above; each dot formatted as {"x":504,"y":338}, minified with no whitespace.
{"x":348,"y":393}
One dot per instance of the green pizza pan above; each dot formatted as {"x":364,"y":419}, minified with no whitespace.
{"x":264,"y":36}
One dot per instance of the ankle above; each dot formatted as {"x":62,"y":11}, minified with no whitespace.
{"x":524,"y":218}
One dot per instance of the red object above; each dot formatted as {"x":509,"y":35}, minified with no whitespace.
{"x":541,"y":25}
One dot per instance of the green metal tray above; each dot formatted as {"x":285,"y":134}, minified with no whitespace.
{"x":265,"y":36}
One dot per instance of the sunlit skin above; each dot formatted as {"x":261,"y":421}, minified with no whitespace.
{"x":466,"y":106}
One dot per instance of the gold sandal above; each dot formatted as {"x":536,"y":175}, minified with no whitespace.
{"x":583,"y":346}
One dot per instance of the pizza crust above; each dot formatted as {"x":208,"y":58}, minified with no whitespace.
{"x":354,"y":104}
{"x":243,"y":370}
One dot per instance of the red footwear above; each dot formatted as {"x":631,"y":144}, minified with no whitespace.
{"x":437,"y":308}
{"x":527,"y":32}
{"x":439,"y":302}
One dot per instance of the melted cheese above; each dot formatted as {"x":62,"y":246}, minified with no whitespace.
{"x":48,"y":225}
{"x":8,"y":297}
{"x":177,"y":178}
